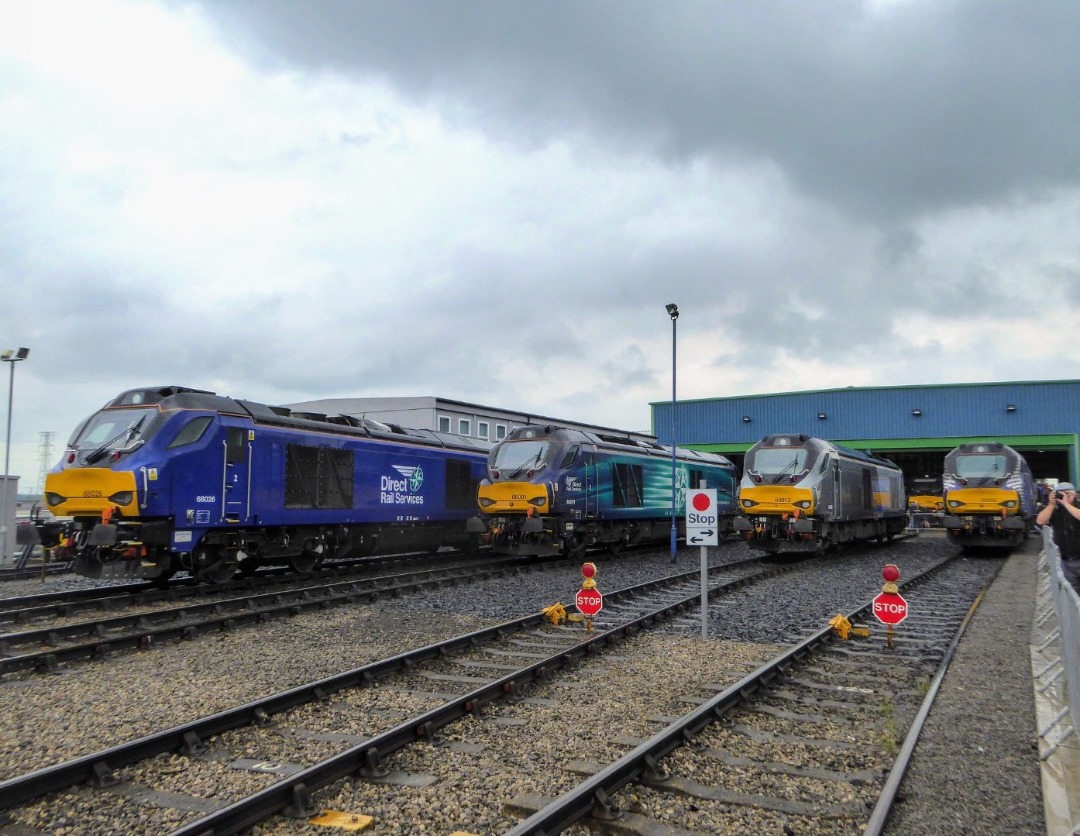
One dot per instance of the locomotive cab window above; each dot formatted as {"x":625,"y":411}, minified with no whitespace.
{"x":568,"y":459}
{"x":191,"y":432}
{"x":235,"y":451}
{"x":519,"y":456}
{"x":115,"y":429}
{"x":980,"y":466}
{"x":780,"y":462}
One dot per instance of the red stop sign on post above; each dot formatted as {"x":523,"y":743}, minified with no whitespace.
{"x":890,"y":608}
{"x":589,"y":602}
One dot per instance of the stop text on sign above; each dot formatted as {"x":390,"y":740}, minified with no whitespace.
{"x":701,"y":517}
{"x":890,"y":608}
{"x":589,"y":602}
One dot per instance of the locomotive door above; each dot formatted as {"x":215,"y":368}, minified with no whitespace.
{"x":236,"y":476}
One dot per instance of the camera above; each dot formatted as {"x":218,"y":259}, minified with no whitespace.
{"x":1059,"y":495}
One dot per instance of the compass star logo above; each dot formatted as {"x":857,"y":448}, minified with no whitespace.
{"x":415,"y":475}
{"x":682,"y":482}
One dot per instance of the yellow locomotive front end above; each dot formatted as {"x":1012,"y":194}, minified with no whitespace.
{"x":1002,"y":502}
{"x":776,"y":500}
{"x":513,"y":498}
{"x":90,"y":492}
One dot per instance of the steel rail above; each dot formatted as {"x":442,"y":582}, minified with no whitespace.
{"x":292,"y":794}
{"x":267,"y":576}
{"x":248,"y":610}
{"x":643,"y":761}
{"x":96,"y":768}
{"x":880,"y":814}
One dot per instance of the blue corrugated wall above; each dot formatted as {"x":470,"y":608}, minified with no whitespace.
{"x":959,"y":410}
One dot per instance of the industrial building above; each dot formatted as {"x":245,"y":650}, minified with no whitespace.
{"x":914,"y":426}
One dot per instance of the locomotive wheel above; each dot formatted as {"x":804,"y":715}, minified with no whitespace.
{"x":575,"y":550}
{"x":214,"y":565}
{"x":306,"y":561}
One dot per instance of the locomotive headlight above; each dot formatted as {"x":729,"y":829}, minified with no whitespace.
{"x":122,"y":498}
{"x":955,"y":503}
{"x":54,"y":499}
{"x":538,"y":501}
{"x":1010,"y":503}
{"x":486,"y":502}
{"x":805,"y":503}
{"x":748,"y":503}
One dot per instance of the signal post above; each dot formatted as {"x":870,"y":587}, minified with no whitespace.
{"x":588,"y":600}
{"x":889,"y":605}
{"x":702,"y":529}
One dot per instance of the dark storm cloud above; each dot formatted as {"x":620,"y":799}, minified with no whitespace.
{"x":888,"y":110}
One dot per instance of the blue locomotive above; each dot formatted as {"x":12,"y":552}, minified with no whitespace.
{"x":989,"y":496}
{"x":169,"y":478}
{"x":805,"y":494}
{"x":554,"y":490}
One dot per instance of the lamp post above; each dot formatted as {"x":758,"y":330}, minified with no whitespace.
{"x":8,"y":356}
{"x":673,"y":312}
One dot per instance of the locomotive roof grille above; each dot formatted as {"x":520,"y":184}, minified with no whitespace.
{"x":180,"y":397}
{"x":800,"y":440}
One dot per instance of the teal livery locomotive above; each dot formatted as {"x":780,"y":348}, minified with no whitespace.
{"x":552,"y":490}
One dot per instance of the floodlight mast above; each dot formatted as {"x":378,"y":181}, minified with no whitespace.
{"x":673,"y":312}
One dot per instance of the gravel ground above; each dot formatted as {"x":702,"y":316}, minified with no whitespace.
{"x":976,"y":767}
{"x":976,"y":770}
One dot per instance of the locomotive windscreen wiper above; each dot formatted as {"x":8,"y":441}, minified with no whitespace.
{"x":527,"y":464}
{"x":100,"y":452}
{"x":788,"y":468}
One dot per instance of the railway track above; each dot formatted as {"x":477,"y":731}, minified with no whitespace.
{"x":448,"y":713}
{"x":152,"y":615}
{"x":816,"y":740}
{"x":298,"y":710}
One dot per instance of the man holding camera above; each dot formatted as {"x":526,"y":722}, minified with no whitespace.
{"x":1062,"y":514}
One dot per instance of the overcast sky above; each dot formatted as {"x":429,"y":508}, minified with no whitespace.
{"x":493,"y":201}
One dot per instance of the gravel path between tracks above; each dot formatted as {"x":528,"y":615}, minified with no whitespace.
{"x":976,"y":767}
{"x":976,"y":770}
